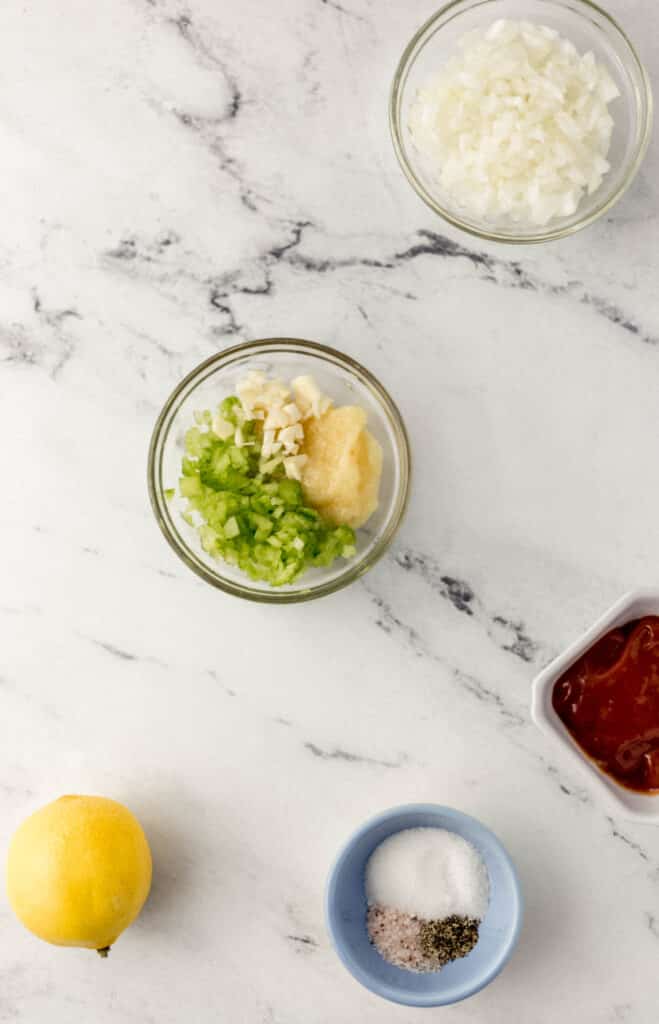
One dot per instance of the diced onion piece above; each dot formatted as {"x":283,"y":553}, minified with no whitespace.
{"x":516,"y":124}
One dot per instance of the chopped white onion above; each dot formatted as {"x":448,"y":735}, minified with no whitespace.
{"x":517,"y":124}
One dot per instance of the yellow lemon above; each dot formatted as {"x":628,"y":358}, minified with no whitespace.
{"x":79,"y":871}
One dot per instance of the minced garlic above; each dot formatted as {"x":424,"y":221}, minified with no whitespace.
{"x":283,"y":415}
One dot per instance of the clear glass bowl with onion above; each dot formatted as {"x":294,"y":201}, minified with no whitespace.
{"x":585,"y":25}
{"x":346,"y":382}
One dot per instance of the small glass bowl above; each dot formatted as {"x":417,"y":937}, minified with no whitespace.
{"x":346,"y":383}
{"x":589,"y":28}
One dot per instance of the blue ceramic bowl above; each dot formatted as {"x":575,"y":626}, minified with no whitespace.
{"x":345,"y":910}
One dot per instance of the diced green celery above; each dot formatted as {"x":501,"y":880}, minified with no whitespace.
{"x":229,"y":409}
{"x":239,"y":458}
{"x":255,"y":520}
{"x":190,"y":486}
{"x":290,"y":492}
{"x":193,"y":445}
{"x":231,"y":528}
{"x":270,"y":466}
{"x":208,"y":538}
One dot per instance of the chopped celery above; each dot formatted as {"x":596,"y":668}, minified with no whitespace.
{"x":255,"y":520}
{"x":190,"y":486}
{"x":231,"y":528}
{"x":231,"y":410}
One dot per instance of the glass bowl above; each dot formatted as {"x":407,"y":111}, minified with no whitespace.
{"x":589,"y":28}
{"x":343,"y":380}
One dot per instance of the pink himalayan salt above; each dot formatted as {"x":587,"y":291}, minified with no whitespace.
{"x":396,"y":936}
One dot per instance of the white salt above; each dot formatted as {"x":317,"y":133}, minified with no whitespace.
{"x":430,"y":873}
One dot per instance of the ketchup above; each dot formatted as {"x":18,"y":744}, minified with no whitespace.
{"x":609,"y":702}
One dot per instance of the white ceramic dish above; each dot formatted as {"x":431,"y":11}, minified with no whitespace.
{"x":634,"y":605}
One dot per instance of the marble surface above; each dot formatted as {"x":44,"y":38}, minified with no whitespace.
{"x":179,"y":176}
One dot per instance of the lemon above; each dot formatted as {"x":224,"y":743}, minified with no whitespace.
{"x":79,"y":871}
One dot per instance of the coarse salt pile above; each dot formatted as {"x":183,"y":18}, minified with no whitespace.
{"x":430,"y":872}
{"x":396,"y":936}
{"x":517,"y":124}
{"x":418,"y":881}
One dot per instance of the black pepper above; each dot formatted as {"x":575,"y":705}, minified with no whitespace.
{"x":448,"y":939}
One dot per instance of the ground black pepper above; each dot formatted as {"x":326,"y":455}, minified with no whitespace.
{"x":449,"y":939}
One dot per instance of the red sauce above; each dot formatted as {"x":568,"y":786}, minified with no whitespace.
{"x":609,"y":702}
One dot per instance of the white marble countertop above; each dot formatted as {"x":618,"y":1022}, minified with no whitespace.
{"x":178,"y":176}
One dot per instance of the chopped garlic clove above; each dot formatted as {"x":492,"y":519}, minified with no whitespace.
{"x":269,"y":465}
{"x":254,"y":379}
{"x":291,"y":435}
{"x":293,"y":466}
{"x":307,"y":394}
{"x":222,"y":428}
{"x":240,"y":439}
{"x":270,"y":446}
{"x":275,"y":419}
{"x":275,"y":392}
{"x":292,"y":471}
{"x":292,"y":412}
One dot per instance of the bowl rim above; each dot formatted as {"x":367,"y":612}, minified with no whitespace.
{"x":388,"y":992}
{"x":645,"y":106}
{"x":355,"y":567}
{"x":616,"y":798}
